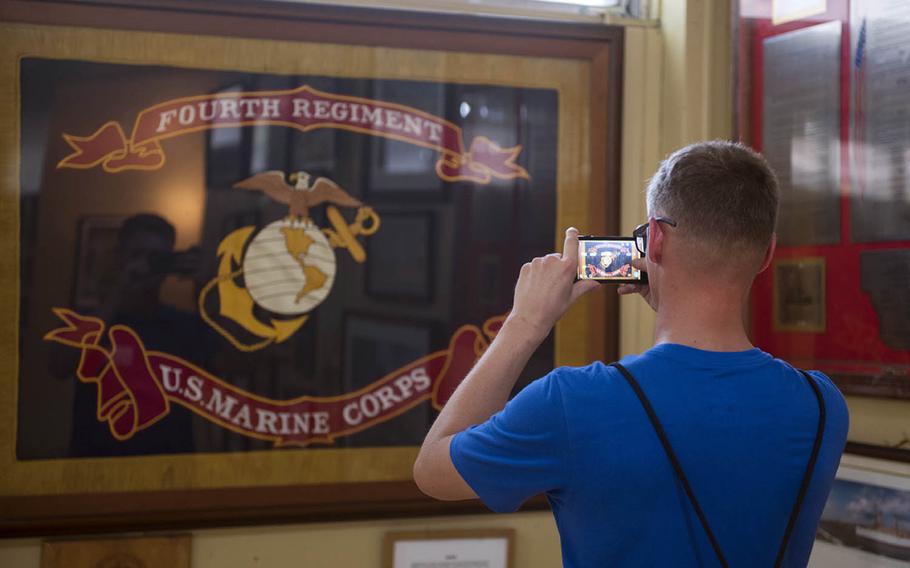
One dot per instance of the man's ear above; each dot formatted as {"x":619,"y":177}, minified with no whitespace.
{"x":769,"y":254}
{"x":655,"y":241}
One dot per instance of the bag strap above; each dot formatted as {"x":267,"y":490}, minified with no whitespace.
{"x":807,"y":477}
{"x":677,"y":468}
{"x":673,"y":461}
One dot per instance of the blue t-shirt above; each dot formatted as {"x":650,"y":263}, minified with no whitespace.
{"x":741,"y":423}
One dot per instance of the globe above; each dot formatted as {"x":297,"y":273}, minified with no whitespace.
{"x":289,"y":267}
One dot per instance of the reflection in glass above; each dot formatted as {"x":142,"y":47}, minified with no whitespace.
{"x":386,"y":257}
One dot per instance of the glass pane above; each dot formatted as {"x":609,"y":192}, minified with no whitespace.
{"x":262,"y":252}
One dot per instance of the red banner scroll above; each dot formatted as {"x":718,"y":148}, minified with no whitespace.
{"x":303,"y":108}
{"x":136,"y":387}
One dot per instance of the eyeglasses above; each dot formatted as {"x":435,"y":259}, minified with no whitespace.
{"x":640,"y":234}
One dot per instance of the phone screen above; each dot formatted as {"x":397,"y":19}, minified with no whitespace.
{"x":608,"y":259}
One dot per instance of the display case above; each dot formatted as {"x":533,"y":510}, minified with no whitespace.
{"x":821,"y":91}
{"x":250,"y":249}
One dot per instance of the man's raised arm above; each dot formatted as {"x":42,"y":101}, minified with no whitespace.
{"x":545,"y":290}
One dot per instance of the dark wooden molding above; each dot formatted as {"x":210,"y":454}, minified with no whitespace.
{"x":94,"y":513}
{"x":880,"y":452}
{"x":887,"y":385}
{"x":319,"y":23}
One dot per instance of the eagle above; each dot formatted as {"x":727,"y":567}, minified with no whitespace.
{"x":302,"y":195}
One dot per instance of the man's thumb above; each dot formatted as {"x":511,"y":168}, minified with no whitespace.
{"x":582,"y":287}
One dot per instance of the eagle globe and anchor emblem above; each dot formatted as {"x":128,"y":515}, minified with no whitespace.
{"x":289,"y":266}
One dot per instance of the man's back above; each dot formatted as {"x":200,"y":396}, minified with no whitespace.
{"x":742,"y":425}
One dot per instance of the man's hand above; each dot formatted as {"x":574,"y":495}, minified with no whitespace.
{"x":545,"y":290}
{"x":643,"y":289}
{"x":546,"y":287}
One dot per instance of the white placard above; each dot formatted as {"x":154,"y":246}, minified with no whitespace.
{"x":788,"y":10}
{"x":452,"y":553}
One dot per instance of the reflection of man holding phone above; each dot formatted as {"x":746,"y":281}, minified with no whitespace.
{"x":702,"y":447}
{"x":145,"y":257}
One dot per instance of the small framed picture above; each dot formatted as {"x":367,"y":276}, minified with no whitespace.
{"x":395,"y":168}
{"x":172,"y":551}
{"x":493,"y":548}
{"x":402,"y":260}
{"x":799,"y":294}
{"x":866,"y":521}
{"x":95,"y":259}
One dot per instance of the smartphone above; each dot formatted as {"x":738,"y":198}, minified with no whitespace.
{"x":609,"y":259}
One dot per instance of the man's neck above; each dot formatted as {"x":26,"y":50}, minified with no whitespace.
{"x":704,"y":316}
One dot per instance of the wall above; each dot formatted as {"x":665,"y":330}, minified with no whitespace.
{"x":684,"y":68}
{"x":348,"y":545}
{"x":676,"y":91}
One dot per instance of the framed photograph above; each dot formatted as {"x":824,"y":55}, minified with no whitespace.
{"x":404,"y":263}
{"x":799,"y":294}
{"x":489,"y":285}
{"x":230,"y":152}
{"x":816,"y":91}
{"x":866,"y":521}
{"x":175,"y":551}
{"x":374,"y":347}
{"x":95,"y":263}
{"x":288,"y":323}
{"x":396,"y":169}
{"x":492,"y":548}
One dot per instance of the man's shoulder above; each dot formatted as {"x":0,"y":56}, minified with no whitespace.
{"x":583,"y":384}
{"x":835,"y":404}
{"x":596,"y":371}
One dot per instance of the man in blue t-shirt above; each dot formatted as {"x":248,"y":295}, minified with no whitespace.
{"x":754,"y":442}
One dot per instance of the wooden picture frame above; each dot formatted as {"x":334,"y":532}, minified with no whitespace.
{"x":169,"y":550}
{"x":94,"y":259}
{"x":450,"y":545}
{"x":582,"y":62}
{"x":408,"y":274}
{"x":865,"y":519}
{"x":799,"y":294}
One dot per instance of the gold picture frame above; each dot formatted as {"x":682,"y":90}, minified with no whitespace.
{"x":88,"y":494}
{"x":173,"y":551}
{"x":799,"y":294}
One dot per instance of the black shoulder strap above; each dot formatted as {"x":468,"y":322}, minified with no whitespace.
{"x":677,"y":468}
{"x":673,"y":461}
{"x":807,"y":477}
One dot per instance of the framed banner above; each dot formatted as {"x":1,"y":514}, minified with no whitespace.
{"x":824,"y":97}
{"x":245,"y":268}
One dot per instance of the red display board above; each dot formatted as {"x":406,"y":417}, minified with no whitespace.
{"x":837,"y":297}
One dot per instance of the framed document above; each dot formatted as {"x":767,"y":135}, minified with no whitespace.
{"x":824,"y":97}
{"x":799,"y":294}
{"x":320,"y":214}
{"x":492,"y":548}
